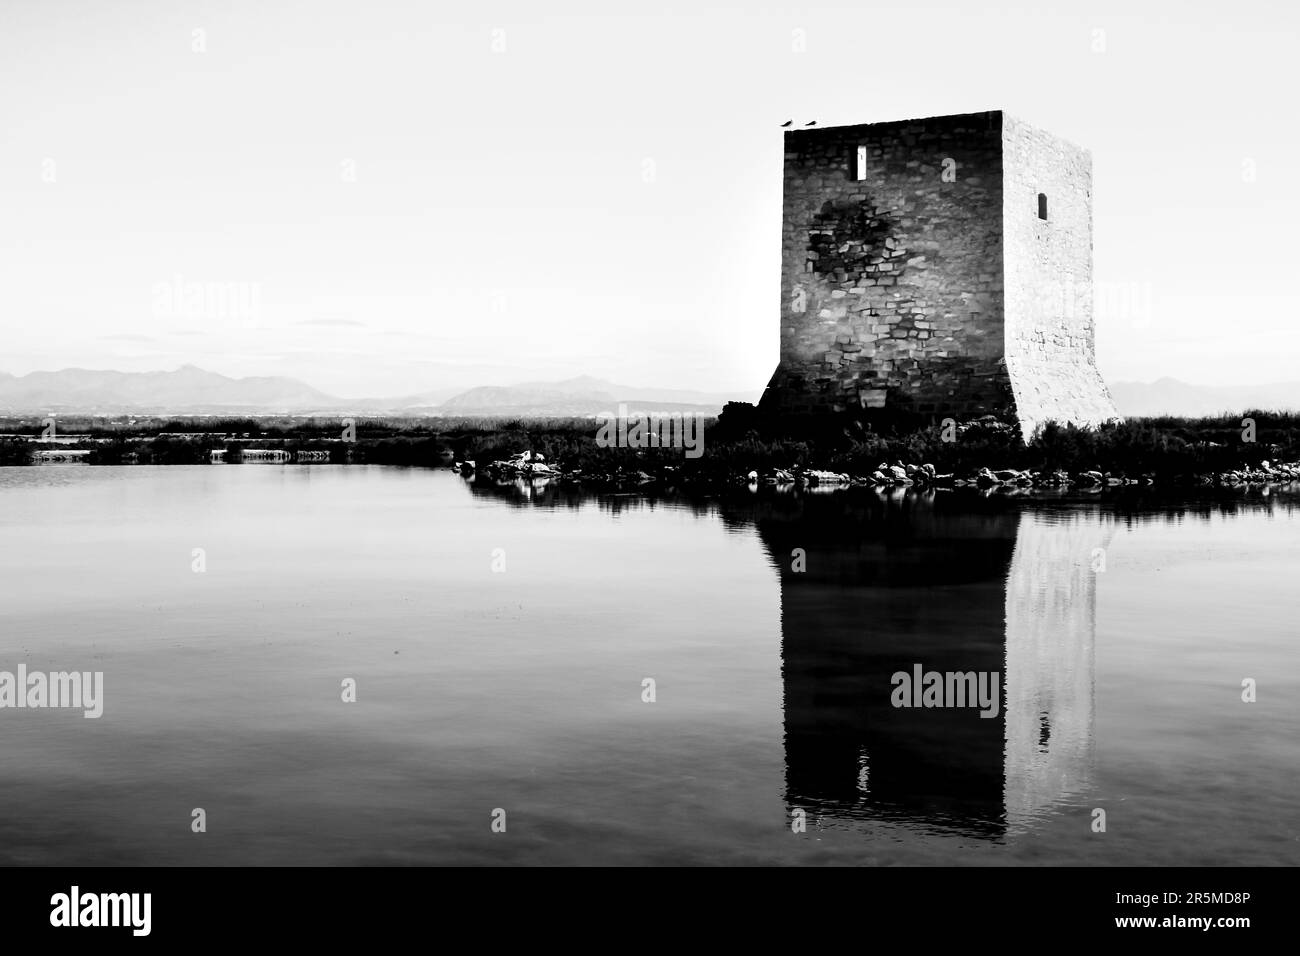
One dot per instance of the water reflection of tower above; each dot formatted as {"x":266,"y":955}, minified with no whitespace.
{"x":952,"y":584}
{"x":1051,"y":628}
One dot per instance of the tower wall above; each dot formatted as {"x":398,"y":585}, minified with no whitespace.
{"x":892,"y":286}
{"x":1050,"y":332}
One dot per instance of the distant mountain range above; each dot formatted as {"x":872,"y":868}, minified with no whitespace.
{"x":192,"y":390}
{"x":79,"y":389}
{"x":583,"y":396}
{"x":1169,"y":396}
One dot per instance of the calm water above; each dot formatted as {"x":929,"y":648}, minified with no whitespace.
{"x":522,"y":689}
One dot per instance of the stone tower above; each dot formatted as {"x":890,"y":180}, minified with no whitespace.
{"x":940,"y":267}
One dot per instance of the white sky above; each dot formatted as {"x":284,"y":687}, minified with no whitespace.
{"x":500,"y":226}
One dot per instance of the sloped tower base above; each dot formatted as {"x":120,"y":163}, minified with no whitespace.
{"x":1067,"y":392}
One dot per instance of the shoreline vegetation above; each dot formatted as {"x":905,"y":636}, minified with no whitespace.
{"x":740,"y":447}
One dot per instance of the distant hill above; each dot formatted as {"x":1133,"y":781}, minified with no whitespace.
{"x":192,"y":390}
{"x":1169,"y":396}
{"x":188,"y":388}
{"x":582,"y":396}
{"x":586,"y":385}
{"x":195,"y":391}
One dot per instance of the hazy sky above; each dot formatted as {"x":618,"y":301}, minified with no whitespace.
{"x":388,"y":196}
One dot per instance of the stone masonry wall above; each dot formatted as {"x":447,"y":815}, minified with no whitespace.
{"x":892,"y":286}
{"x":1048,"y":271}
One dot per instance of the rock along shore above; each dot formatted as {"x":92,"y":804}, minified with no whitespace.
{"x":531,"y":466}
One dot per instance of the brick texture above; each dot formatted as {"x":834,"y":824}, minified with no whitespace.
{"x":917,"y":277}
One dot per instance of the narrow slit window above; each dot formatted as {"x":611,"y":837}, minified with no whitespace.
{"x":862,"y":163}
{"x":1042,"y":205}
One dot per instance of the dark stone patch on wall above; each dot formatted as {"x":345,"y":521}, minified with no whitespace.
{"x":849,"y":239}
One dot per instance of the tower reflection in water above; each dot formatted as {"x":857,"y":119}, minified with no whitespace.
{"x":898,"y":580}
